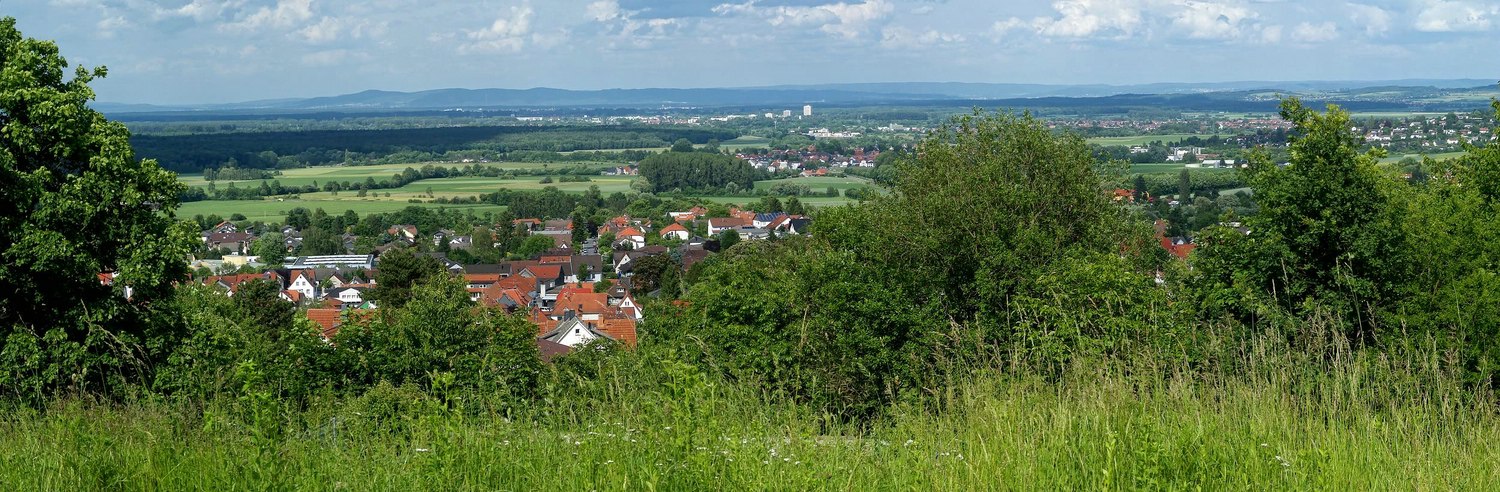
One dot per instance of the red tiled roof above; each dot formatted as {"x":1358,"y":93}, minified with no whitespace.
{"x":329,"y":319}
{"x":582,"y":302}
{"x":547,"y":272}
{"x":629,"y":231}
{"x":621,"y":329}
{"x":481,"y":278}
{"x":672,"y":228}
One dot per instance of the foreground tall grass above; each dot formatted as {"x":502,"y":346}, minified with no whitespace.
{"x":1274,"y":416}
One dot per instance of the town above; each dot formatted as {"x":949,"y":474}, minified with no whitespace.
{"x":575,"y":293}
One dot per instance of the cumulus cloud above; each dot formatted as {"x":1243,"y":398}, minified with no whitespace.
{"x":1214,"y":21}
{"x":285,"y":14}
{"x":1455,"y":16}
{"x":846,"y":20}
{"x":505,"y":35}
{"x":200,"y":10}
{"x":1115,"y":20}
{"x":1376,"y":21}
{"x":626,"y":26}
{"x":330,"y":29}
{"x":1082,"y":19}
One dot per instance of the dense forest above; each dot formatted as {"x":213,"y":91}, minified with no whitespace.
{"x":287,"y":149}
{"x":698,"y":172}
{"x":994,"y":319}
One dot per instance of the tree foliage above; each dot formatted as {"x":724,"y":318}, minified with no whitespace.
{"x":77,"y":204}
{"x":696,"y":171}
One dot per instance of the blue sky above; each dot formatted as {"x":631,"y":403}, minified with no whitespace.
{"x":200,"y":51}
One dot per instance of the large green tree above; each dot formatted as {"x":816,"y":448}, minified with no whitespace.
{"x":1328,"y":229}
{"x":77,"y":204}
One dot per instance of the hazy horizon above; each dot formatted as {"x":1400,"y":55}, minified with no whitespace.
{"x":181,"y":52}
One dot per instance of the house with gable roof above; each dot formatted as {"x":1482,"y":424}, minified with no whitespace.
{"x":675,"y":231}
{"x":630,"y":238}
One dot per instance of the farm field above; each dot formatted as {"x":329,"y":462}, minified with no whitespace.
{"x":1442,"y":156}
{"x":1142,"y":139}
{"x":1169,"y":167}
{"x":377,"y":201}
{"x":817,"y":183}
{"x":274,"y":210}
{"x":744,"y":141}
{"x":323,"y":174}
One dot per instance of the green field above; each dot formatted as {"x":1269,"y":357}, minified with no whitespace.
{"x":1443,"y":156}
{"x":323,"y":174}
{"x":744,"y":142}
{"x":1170,"y":167}
{"x":1142,"y":139}
{"x":818,"y":183}
{"x":274,"y":210}
{"x":376,"y":201}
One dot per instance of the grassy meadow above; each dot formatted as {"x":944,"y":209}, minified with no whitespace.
{"x":376,"y":201}
{"x":275,"y":210}
{"x":1143,"y":139}
{"x":323,"y":174}
{"x":1278,"y":420}
{"x":1441,"y":156}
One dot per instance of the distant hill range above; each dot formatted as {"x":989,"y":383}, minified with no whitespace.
{"x":1229,"y":96}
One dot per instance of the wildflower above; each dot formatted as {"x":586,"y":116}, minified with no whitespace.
{"x":610,"y":462}
{"x":909,"y":442}
{"x":423,"y":450}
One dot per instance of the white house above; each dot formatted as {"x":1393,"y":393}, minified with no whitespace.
{"x":573,"y":332}
{"x":304,"y":283}
{"x":675,"y":231}
{"x":632,"y":237}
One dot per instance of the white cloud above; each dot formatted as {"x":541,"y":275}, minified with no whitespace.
{"x":625,"y":27}
{"x":107,"y":26}
{"x":286,"y":13}
{"x":1376,"y":21}
{"x":1088,"y":18}
{"x":200,"y":10}
{"x":505,"y":35}
{"x":901,"y":37}
{"x":1455,"y":16}
{"x":330,"y":29}
{"x":604,"y":10}
{"x":1315,"y":33}
{"x":1214,"y":21}
{"x":846,"y":20}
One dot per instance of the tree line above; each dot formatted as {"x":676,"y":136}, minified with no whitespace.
{"x":290,"y":149}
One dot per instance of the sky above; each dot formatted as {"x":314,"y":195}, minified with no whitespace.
{"x":212,"y":51}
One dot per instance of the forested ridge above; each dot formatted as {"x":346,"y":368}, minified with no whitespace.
{"x":994,"y":319}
